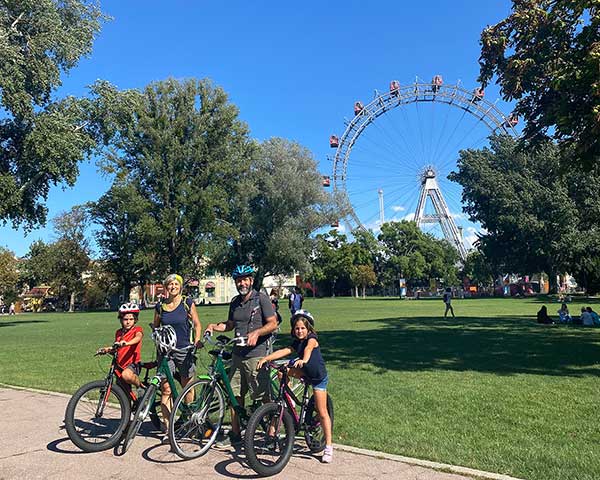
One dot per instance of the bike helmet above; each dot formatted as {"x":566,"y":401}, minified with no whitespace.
{"x":165,"y":338}
{"x":243,"y":271}
{"x":129,"y":308}
{"x":303,"y":313}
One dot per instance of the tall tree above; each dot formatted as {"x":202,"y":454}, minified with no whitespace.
{"x":183,"y":147}
{"x":332,"y":259}
{"x":41,"y":140}
{"x":523,"y":203}
{"x":127,"y":236}
{"x":9,"y":275}
{"x":546,"y":55}
{"x":281,"y":203}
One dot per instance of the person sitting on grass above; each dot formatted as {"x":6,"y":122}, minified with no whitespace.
{"x":585,"y":318}
{"x":542,"y":316}
{"x":310,"y":364}
{"x":595,"y":317}
{"x":129,"y":337}
{"x":563,"y":314}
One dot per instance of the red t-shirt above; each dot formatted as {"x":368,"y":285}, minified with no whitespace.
{"x":131,"y":353}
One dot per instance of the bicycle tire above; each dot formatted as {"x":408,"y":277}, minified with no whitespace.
{"x":92,"y":433}
{"x":194,"y":426}
{"x":313,"y":432}
{"x":139,"y":416}
{"x":268,"y":455}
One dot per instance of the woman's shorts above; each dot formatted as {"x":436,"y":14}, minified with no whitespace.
{"x":321,"y":384}
{"x":184,"y":363}
{"x":135,"y":368}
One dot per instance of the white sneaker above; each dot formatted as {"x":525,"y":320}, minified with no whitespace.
{"x":327,"y":454}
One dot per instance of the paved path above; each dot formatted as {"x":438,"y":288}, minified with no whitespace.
{"x":34,"y":445}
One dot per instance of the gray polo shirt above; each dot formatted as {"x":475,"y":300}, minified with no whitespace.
{"x":248,"y":316}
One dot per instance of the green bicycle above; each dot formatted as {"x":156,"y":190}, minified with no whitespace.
{"x":198,"y":411}
{"x":151,"y":395}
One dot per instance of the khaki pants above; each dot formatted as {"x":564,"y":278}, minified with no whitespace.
{"x":245,"y":378}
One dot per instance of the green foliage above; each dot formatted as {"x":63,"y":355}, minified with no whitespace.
{"x":418,"y":257}
{"x":42,"y":139}
{"x":546,"y":54}
{"x":332,"y":259}
{"x":281,"y":202}
{"x":523,"y":202}
{"x":9,"y":275}
{"x":479,"y":269}
{"x":128,"y":235}
{"x":182,"y":148}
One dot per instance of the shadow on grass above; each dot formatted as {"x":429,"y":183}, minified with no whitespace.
{"x":20,"y":322}
{"x":493,"y":345}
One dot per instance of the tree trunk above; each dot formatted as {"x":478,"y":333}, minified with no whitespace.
{"x":72,"y":303}
{"x":356,"y":291}
{"x":333,"y":288}
{"x":364,"y":288}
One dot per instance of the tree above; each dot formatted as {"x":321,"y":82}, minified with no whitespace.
{"x":281,"y":203}
{"x":479,"y":269}
{"x":69,"y":256}
{"x":418,"y":257}
{"x":41,"y":140}
{"x":522,"y":201}
{"x":127,"y":235}
{"x":332,"y":259}
{"x":365,"y":276}
{"x":35,"y":267}
{"x":9,"y":275}
{"x":184,"y":149}
{"x":546,"y":55}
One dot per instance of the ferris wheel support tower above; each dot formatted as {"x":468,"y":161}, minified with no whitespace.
{"x":430,"y":189}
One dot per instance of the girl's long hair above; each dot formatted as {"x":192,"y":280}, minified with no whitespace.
{"x":306,"y":323}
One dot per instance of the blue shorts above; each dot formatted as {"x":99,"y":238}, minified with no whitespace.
{"x":320,"y":384}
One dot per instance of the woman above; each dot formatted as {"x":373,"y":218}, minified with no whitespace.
{"x":179,"y":312}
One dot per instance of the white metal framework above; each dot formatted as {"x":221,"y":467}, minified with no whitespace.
{"x":452,"y":95}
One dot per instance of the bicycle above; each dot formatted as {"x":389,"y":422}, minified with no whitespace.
{"x":272,"y":428}
{"x":195,"y":423}
{"x":150,"y":399}
{"x":98,"y":412}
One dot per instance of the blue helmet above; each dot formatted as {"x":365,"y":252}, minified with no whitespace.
{"x":243,"y":271}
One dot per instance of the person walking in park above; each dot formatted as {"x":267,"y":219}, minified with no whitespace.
{"x":11,"y":309}
{"x":179,"y":312}
{"x":447,"y":297}
{"x":310,"y":364}
{"x":295,"y":301}
{"x":251,"y":315}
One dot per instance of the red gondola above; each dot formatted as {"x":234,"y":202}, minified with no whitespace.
{"x":394,"y":88}
{"x":478,"y":94}
{"x":326,"y":181}
{"x":334,"y":141}
{"x":358,"y":108}
{"x":512,"y":120}
{"x":335,"y":224}
{"x":436,"y":83}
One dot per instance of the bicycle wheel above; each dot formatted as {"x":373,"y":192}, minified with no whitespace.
{"x":269,"y":439}
{"x":95,"y":419}
{"x":313,"y":431}
{"x":196,"y":418}
{"x":140,"y":415}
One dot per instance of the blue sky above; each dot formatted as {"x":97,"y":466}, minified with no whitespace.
{"x":294,"y":69}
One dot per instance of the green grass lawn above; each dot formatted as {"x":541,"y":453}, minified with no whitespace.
{"x":490,"y":389}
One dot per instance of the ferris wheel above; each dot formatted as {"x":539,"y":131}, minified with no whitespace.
{"x":393,"y":159}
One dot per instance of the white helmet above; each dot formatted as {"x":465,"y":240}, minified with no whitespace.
{"x":165,"y":338}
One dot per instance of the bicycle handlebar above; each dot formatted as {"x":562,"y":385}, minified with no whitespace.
{"x":223,"y":340}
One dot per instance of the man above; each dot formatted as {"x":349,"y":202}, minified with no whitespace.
{"x":295,"y":301}
{"x":448,"y":301}
{"x":251,"y":315}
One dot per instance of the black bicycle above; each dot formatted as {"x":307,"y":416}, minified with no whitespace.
{"x":98,"y":412}
{"x":272,"y":428}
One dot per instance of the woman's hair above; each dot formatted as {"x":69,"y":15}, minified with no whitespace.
{"x":306,"y":323}
{"x":173,"y":276}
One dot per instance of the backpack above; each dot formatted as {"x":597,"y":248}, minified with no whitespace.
{"x":187,"y":304}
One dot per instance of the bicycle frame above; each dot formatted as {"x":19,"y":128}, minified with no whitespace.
{"x":288,"y":399}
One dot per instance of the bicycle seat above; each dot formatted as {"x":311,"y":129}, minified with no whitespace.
{"x":148,"y":365}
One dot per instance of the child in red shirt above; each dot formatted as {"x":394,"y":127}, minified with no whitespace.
{"x":129,"y":337}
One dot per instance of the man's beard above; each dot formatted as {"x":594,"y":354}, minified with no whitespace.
{"x":243,"y":290}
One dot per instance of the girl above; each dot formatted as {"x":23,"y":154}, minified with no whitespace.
{"x":310,"y":364}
